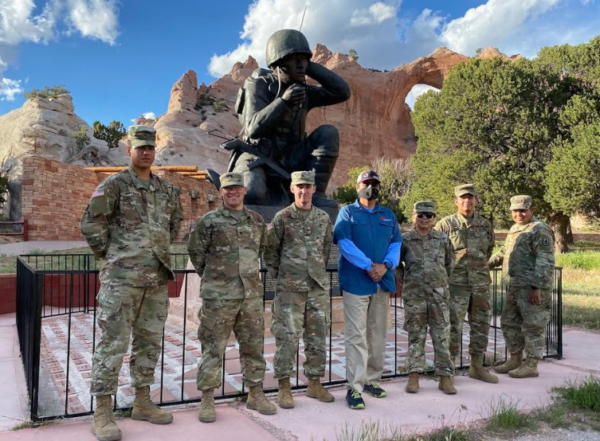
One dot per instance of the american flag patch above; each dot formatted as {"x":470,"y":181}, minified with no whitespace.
{"x":97,"y":193}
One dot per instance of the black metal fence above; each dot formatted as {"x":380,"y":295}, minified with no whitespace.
{"x":56,"y":321}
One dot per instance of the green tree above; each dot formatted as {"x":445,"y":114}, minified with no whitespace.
{"x":492,"y":124}
{"x":3,"y":188}
{"x":112,"y":133}
{"x":82,"y":140}
{"x":396,"y":178}
{"x":353,"y":54}
{"x":52,"y":92}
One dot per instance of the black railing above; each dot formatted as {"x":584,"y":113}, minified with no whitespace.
{"x":56,"y":320}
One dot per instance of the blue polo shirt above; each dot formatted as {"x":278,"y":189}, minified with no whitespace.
{"x":374,"y":233}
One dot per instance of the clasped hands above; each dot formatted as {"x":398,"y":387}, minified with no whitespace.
{"x":378,"y":271}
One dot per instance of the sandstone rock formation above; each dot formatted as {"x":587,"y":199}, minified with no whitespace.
{"x":43,"y":127}
{"x":374,"y":122}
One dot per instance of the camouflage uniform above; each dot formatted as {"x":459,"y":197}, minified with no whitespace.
{"x":527,"y":259}
{"x":131,"y":223}
{"x":296,"y":256}
{"x":473,"y":242}
{"x":225,"y":249}
{"x":428,"y":263}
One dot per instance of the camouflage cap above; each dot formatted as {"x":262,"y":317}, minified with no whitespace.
{"x":368,"y":175}
{"x":425,"y":207}
{"x":303,"y":177}
{"x":521,"y":202}
{"x":140,"y":136}
{"x":231,"y":179}
{"x":461,"y":190}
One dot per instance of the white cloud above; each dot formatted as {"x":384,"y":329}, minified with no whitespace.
{"x":375,"y":14}
{"x":96,"y":19}
{"x":416,"y":92}
{"x":17,"y":23}
{"x":492,"y":23}
{"x":149,"y":115}
{"x":384,"y":40}
{"x":327,"y":21}
{"x":9,"y":88}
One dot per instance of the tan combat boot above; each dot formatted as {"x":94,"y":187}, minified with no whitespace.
{"x":145,"y":410}
{"x":284,"y":396}
{"x":258,"y":401}
{"x":515,"y":360}
{"x":478,"y":372}
{"x":207,"y":412}
{"x":316,"y":390}
{"x":412,"y":387}
{"x":103,"y":424}
{"x":446,"y":385}
{"x":526,"y":370}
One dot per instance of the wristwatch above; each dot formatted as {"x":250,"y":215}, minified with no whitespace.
{"x":387,"y":264}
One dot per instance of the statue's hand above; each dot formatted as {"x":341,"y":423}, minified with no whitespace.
{"x":294,"y":95}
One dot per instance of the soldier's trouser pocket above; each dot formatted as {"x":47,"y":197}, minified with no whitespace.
{"x":115,"y":319}
{"x":217,"y":318}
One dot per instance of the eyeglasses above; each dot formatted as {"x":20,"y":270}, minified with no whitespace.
{"x":427,"y":215}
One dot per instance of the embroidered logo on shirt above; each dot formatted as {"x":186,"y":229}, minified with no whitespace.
{"x":384,"y":219}
{"x":97,"y":193}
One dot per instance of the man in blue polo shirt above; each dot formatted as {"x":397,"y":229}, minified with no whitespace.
{"x":369,"y":240}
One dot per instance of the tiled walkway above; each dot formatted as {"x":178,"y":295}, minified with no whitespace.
{"x":179,"y":361}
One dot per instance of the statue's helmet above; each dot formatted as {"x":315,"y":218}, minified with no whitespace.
{"x":286,"y":42}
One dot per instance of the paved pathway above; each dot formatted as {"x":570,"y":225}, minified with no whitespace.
{"x":310,"y":419}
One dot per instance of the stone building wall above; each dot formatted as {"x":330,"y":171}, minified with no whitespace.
{"x":55,"y":195}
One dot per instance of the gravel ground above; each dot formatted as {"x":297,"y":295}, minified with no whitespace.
{"x":14,"y":249}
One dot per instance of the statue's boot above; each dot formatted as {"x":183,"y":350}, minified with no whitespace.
{"x":323,"y":167}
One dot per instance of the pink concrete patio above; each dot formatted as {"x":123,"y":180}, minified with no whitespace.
{"x":311,"y":419}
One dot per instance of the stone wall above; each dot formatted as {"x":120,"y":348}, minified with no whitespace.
{"x":55,"y":195}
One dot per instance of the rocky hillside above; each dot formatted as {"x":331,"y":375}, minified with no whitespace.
{"x":374,"y":122}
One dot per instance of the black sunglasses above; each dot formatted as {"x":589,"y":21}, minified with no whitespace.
{"x":427,"y":215}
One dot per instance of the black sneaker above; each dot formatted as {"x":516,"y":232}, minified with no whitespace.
{"x":354,"y":399}
{"x":374,"y":390}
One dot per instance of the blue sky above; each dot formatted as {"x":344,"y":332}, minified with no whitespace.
{"x":121,"y":58}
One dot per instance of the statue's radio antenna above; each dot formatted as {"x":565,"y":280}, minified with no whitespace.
{"x":303,"y":14}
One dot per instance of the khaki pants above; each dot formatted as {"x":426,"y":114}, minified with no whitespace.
{"x":365,"y":329}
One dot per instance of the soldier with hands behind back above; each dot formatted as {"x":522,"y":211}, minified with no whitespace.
{"x":225,"y":248}
{"x":130,"y":222}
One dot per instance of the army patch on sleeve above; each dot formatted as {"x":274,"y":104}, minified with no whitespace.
{"x":97,"y":193}
{"x":545,"y":242}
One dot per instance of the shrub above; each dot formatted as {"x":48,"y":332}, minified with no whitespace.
{"x":52,"y":92}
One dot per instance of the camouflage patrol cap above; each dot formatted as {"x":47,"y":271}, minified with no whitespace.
{"x":140,"y":136}
{"x":461,"y":190}
{"x":425,"y":207}
{"x":521,"y":202}
{"x":303,"y":177}
{"x":231,"y":179}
